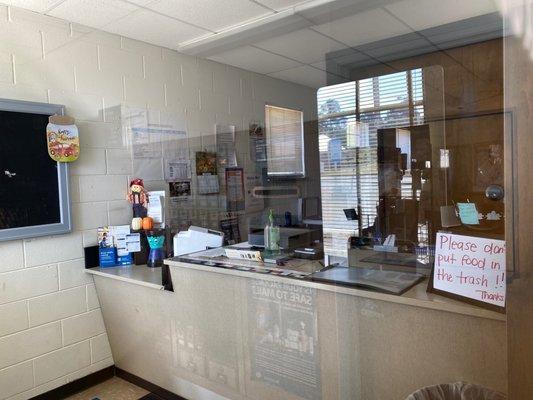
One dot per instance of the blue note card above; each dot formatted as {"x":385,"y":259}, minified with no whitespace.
{"x":468,"y":213}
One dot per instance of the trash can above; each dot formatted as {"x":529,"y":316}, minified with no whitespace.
{"x":456,"y":391}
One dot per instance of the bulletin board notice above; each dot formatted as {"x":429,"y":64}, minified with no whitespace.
{"x":470,"y":267}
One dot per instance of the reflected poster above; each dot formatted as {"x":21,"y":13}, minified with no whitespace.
{"x":284,"y":337}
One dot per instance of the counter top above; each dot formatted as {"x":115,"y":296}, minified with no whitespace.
{"x":136,"y":274}
{"x":416,"y":296}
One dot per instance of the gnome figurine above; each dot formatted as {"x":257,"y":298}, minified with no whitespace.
{"x":138,"y":198}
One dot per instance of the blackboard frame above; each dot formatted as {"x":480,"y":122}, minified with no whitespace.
{"x":65,"y":223}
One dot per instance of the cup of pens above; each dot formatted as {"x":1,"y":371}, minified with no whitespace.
{"x":156,"y":255}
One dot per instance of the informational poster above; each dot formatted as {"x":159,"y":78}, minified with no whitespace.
{"x":206,"y":163}
{"x":206,"y":171}
{"x":179,"y":190}
{"x":133,"y":242}
{"x":471,"y":267}
{"x":225,"y":138}
{"x":230,"y":228}
{"x":208,"y":184}
{"x":177,"y":170}
{"x":135,"y":122}
{"x":156,"y":207}
{"x":257,"y":142}
{"x":283,"y":340}
{"x":157,"y":140}
{"x":235,"y":189}
{"x":114,"y":236}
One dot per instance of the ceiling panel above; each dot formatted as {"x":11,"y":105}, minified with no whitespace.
{"x":281,"y":4}
{"x":304,"y":75}
{"x":142,"y":3}
{"x":364,"y":27}
{"x":210,"y":14}
{"x":94,"y":13}
{"x":305,"y":45}
{"x":154,"y":28}
{"x":320,"y":65}
{"x":340,"y":27}
{"x":254,"y":59}
{"x":33,"y":5}
{"x":336,"y":64}
{"x":422,"y":14}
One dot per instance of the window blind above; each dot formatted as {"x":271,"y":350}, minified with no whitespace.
{"x":350,"y":115}
{"x":285,"y":141}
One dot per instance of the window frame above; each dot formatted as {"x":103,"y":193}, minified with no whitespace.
{"x":286,"y":174}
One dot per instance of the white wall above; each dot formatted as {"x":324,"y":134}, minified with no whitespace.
{"x":51,"y":327}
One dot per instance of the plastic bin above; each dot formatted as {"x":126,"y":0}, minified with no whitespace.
{"x":456,"y":391}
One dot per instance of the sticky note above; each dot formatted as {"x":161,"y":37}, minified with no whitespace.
{"x":468,"y":213}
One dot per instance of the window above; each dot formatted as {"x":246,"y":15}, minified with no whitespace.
{"x":285,"y":141}
{"x":350,"y":115}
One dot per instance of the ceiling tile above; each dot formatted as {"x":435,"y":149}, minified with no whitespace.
{"x":142,"y":3}
{"x":333,"y":67}
{"x":320,"y":65}
{"x":254,"y":59}
{"x":150,"y":27}
{"x":281,"y":4}
{"x":365,"y":27}
{"x":422,"y":14}
{"x":33,"y":5}
{"x":94,"y":13}
{"x":305,"y":45}
{"x":304,"y":75}
{"x":210,"y":14}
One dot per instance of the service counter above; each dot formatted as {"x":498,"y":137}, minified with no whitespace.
{"x":226,"y":333}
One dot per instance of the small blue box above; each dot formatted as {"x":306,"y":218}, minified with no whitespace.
{"x":125,"y":260}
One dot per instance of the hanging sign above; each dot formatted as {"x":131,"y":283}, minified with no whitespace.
{"x":470,"y":268}
{"x":62,"y":139}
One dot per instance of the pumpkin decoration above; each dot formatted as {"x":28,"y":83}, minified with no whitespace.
{"x":136,"y":223}
{"x":147,"y":223}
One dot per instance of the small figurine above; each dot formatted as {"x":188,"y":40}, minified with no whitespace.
{"x":138,"y":198}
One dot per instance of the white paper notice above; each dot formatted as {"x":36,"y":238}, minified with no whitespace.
{"x":177,"y":170}
{"x":119,"y":233}
{"x":208,"y":184}
{"x":471,"y":267}
{"x":225,"y":137}
{"x":156,"y":202}
{"x":133,"y":242}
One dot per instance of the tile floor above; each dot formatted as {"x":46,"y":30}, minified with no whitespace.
{"x":112,"y":389}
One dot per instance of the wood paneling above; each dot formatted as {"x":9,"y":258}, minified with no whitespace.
{"x":519,"y":100}
{"x":473,"y":77}
{"x":463,"y":105}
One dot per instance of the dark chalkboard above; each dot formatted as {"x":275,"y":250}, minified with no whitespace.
{"x":29,"y":191}
{"x":33,"y":187}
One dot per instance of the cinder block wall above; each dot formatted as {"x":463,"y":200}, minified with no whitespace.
{"x":51,"y":327}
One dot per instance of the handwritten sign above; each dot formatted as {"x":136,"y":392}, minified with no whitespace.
{"x":471,"y":267}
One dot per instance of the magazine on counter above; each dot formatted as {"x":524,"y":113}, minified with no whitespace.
{"x":393,"y":282}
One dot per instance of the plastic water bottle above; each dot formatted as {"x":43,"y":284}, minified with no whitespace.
{"x":272,"y":235}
